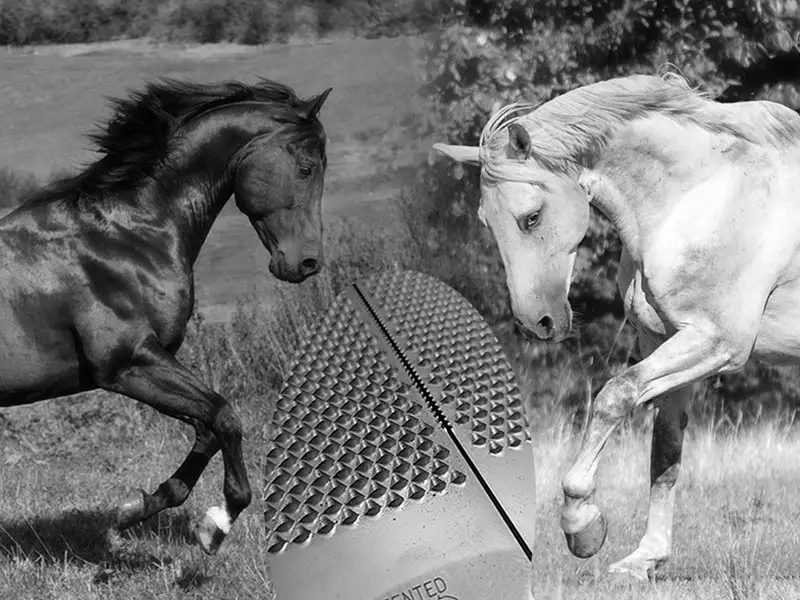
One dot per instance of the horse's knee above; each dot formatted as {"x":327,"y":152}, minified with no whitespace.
{"x":616,"y":400}
{"x":227,"y":425}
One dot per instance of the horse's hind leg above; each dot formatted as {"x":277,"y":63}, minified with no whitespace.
{"x":174,"y":491}
{"x":155,"y":377}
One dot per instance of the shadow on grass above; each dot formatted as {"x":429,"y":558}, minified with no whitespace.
{"x":193,"y":577}
{"x":88,"y":537}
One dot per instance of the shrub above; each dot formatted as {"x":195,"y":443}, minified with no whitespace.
{"x":81,"y":21}
{"x":208,"y":21}
{"x":25,"y":22}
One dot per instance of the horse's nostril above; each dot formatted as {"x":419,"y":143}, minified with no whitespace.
{"x":309,"y":265}
{"x":545,"y":328}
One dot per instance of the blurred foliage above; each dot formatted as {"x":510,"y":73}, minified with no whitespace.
{"x":495,"y":52}
{"x":209,"y":21}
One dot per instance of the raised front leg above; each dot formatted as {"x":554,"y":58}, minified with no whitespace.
{"x":665,"y":460}
{"x":669,"y":424}
{"x":156,"y":378}
{"x":688,"y":356}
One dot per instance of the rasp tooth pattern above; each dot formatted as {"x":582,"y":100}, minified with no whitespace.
{"x":460,"y":353}
{"x":349,"y":440}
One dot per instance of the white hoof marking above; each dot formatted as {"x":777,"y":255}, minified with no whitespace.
{"x":219,"y":515}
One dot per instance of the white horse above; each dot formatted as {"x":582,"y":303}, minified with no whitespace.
{"x":706,"y":200}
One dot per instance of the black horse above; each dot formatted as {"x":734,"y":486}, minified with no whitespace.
{"x":96,"y":270}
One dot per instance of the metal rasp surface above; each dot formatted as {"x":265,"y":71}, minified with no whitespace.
{"x":401,"y":465}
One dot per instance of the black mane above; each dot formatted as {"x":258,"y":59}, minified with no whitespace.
{"x":136,"y":138}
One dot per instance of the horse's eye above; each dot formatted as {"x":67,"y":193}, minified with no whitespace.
{"x":305,"y":170}
{"x":529,"y":221}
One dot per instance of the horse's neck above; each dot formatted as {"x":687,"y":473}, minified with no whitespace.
{"x":200,"y":184}
{"x":198,"y":202}
{"x":608,"y":194}
{"x":634,"y":179}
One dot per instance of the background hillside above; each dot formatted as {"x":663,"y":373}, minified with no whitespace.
{"x":212,"y":21}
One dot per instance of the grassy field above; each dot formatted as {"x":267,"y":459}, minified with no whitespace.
{"x":737,"y":523}
{"x":67,"y":463}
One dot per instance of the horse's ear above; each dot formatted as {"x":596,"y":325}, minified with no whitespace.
{"x":520,"y":140}
{"x":462,"y":154}
{"x":315,"y":104}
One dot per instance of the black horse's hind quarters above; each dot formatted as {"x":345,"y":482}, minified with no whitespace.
{"x":96,"y":269}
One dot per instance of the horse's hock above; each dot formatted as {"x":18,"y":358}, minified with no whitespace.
{"x":401,"y":464}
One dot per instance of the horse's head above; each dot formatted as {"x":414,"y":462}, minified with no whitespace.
{"x":538,"y":218}
{"x":278,"y":184}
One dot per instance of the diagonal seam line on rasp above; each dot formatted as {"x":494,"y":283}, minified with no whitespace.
{"x":444,"y":422}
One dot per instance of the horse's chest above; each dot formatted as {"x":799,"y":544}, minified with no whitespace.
{"x":165,"y":294}
{"x":638,"y":307}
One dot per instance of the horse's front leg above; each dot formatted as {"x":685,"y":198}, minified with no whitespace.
{"x":175,"y":490}
{"x":665,"y":463}
{"x":688,"y":356}
{"x":155,"y":377}
{"x":666,"y":450}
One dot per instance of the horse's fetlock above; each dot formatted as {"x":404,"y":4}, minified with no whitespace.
{"x":237,"y":501}
{"x":245,"y":498}
{"x":655,"y":548}
{"x":576,"y":487}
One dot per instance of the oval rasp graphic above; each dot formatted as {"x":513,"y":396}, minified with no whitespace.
{"x":401,"y":465}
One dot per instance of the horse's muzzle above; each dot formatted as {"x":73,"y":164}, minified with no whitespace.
{"x":294,"y":271}
{"x":545,"y":329}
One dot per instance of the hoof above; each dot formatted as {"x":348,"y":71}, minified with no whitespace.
{"x":641,"y":569}
{"x":131,"y":511}
{"x":588,"y":541}
{"x":639,"y":572}
{"x":212,"y":529}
